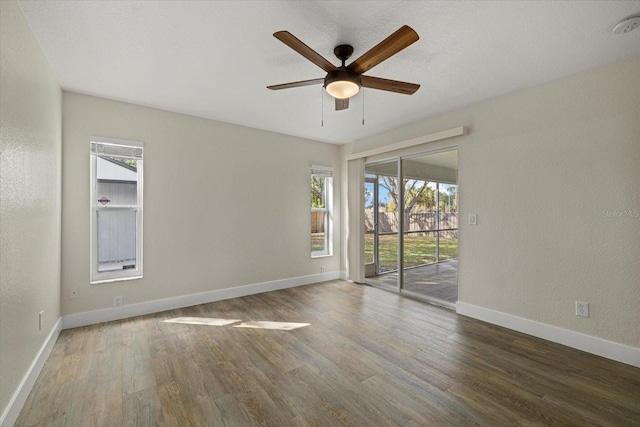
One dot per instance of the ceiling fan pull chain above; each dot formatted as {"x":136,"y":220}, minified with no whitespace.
{"x":362,"y":106}
{"x":322,"y":108}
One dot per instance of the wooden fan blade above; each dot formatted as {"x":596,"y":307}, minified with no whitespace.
{"x":388,"y":47}
{"x":342,"y":104}
{"x":296,"y":84}
{"x":389,"y":85}
{"x":294,"y":43}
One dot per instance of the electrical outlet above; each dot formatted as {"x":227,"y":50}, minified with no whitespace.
{"x":117,"y":301}
{"x":323,"y":269}
{"x":582,"y":308}
{"x":73,"y":293}
{"x":40,"y":315}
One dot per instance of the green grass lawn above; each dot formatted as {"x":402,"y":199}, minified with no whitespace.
{"x":317,"y":242}
{"x":418,"y":250}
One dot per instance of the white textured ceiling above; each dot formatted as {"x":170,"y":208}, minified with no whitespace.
{"x":214,"y":59}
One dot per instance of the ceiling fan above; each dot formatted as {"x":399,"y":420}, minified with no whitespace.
{"x":345,"y":81}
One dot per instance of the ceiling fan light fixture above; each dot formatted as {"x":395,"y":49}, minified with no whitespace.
{"x":342,"y":84}
{"x":342,"y":89}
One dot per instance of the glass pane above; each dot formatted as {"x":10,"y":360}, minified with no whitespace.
{"x":448,"y":245}
{"x":318,"y":235}
{"x":116,"y":239}
{"x":368,"y":248}
{"x":427,"y":207}
{"x":448,"y":203}
{"x":369,"y":220}
{"x":117,"y":182}
{"x":419,"y":248}
{"x":388,"y":195}
{"x":318,"y":192}
{"x":382,"y":195}
{"x":419,"y":202}
{"x":388,"y":199}
{"x":430,"y":236}
{"x":387,"y":252}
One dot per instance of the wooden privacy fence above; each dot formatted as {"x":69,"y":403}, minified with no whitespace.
{"x":415,"y":221}
{"x":388,"y":222}
{"x":317,"y":222}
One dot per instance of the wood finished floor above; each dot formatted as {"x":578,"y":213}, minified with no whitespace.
{"x":368,"y":358}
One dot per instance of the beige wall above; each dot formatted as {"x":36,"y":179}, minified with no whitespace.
{"x":224,"y":205}
{"x":30,"y":108}
{"x":541,"y":168}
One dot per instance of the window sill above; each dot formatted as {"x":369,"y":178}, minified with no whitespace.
{"x":320,"y":255}
{"x":113,"y":279}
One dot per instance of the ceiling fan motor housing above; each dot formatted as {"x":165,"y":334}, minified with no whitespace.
{"x":342,"y":83}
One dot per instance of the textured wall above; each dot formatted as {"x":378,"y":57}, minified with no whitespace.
{"x":30,"y":117}
{"x":224,"y":205}
{"x":553,"y":173}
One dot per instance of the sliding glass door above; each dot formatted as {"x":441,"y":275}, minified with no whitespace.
{"x":411,"y":225}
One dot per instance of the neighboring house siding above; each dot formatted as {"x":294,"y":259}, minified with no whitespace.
{"x":117,"y":229}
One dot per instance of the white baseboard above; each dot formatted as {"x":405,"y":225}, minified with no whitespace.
{"x":598,"y":346}
{"x":156,"y":306}
{"x":18,"y":399}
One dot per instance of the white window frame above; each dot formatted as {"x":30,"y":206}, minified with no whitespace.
{"x":326,"y":173}
{"x":126,"y":150}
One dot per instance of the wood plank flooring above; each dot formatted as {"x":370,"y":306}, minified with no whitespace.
{"x":367,"y":358}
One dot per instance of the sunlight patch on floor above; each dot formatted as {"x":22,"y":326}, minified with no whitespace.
{"x":257,"y":324}
{"x":284,"y":326}
{"x":203,"y":321}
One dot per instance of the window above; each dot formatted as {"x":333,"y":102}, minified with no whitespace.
{"x":116,"y":210}
{"x":321,"y":197}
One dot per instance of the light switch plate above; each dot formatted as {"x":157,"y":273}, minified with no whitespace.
{"x":473,"y":220}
